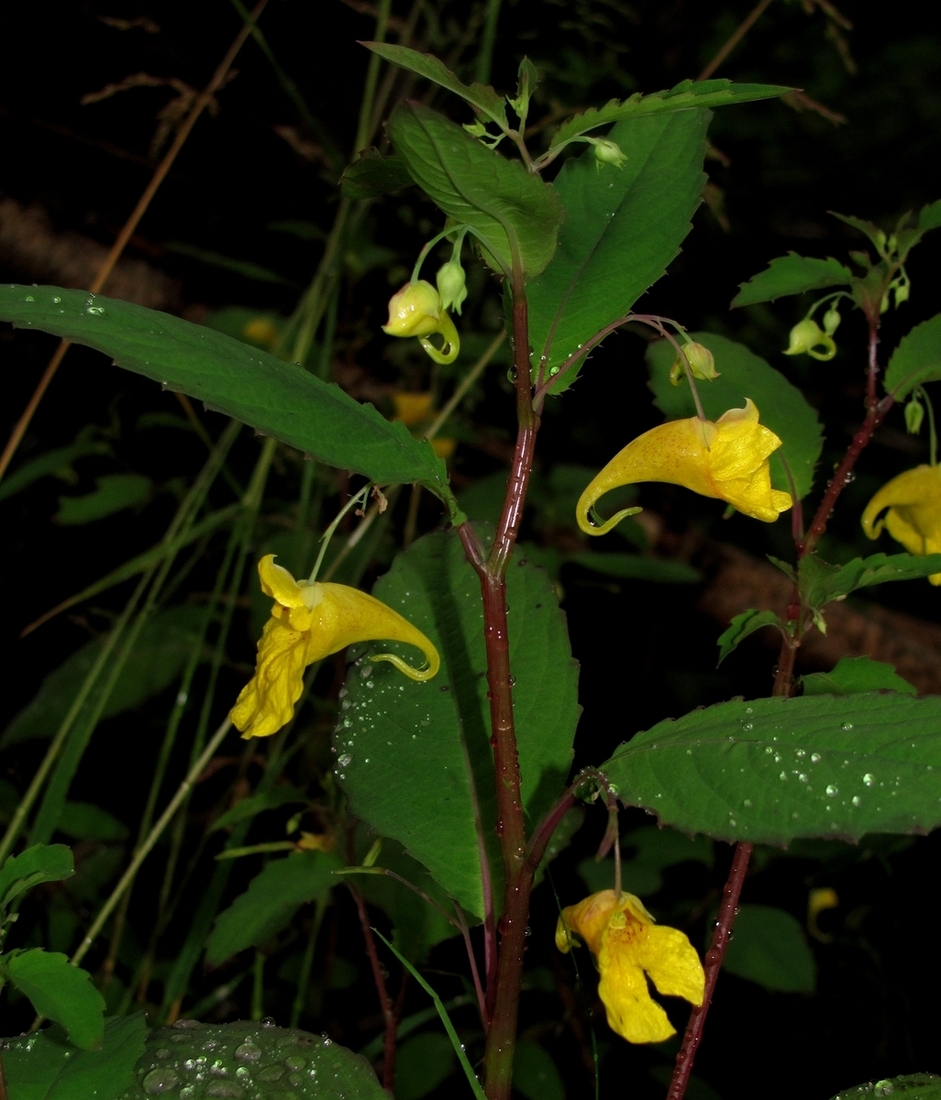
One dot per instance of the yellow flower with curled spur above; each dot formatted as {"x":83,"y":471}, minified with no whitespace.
{"x":727,"y":460}
{"x":912,"y":506}
{"x":309,"y":622}
{"x":629,"y":946}
{"x":417,"y":310}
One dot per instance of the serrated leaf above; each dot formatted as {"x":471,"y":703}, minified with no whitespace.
{"x":41,"y":863}
{"x":256,"y":1057}
{"x":851,"y":675}
{"x":372,"y":175}
{"x":741,"y":626}
{"x":274,"y":397}
{"x":622,"y":228}
{"x":930,"y":216}
{"x":415,"y":759}
{"x":769,"y":947}
{"x":913,"y":1086}
{"x":273,"y":897}
{"x":685,"y":96}
{"x":45,"y":1066}
{"x":771,"y":770}
{"x":481,"y":97}
{"x":916,"y":360}
{"x":781,"y":406}
{"x":791,"y":274}
{"x":820,"y":582}
{"x":59,"y":991}
{"x":867,"y":228}
{"x":511,"y":212}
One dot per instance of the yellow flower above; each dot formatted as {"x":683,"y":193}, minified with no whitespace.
{"x":727,"y":460}
{"x":913,"y":500}
{"x":416,"y":410}
{"x":628,"y":947}
{"x":416,"y":310}
{"x":309,"y":622}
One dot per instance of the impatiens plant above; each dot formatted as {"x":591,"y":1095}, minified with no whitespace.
{"x":451,"y":783}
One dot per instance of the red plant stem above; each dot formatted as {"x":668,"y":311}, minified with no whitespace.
{"x":712,"y":966}
{"x":389,"y":1014}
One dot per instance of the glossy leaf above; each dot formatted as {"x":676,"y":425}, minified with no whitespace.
{"x":770,"y":770}
{"x":273,"y":897}
{"x":415,"y":759}
{"x":46,"y":1066}
{"x":911,"y":1086}
{"x":916,"y":360}
{"x":781,"y":406}
{"x":740,"y":628}
{"x":59,"y":991}
{"x":791,"y":274}
{"x":769,"y":947}
{"x":685,"y":96}
{"x":622,"y":228}
{"x":41,"y":863}
{"x":273,"y":397}
{"x":820,"y":582}
{"x":480,"y":96}
{"x":851,"y":675}
{"x":510,"y":211}
{"x":262,"y":1061}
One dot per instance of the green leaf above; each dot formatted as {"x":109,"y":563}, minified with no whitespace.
{"x":741,"y":626}
{"x":916,"y":360}
{"x":59,"y":991}
{"x":480,"y":96}
{"x":782,"y":407}
{"x":162,"y":650}
{"x":771,"y":770}
{"x":372,"y":175}
{"x":914,"y":1086}
{"x":113,"y":493}
{"x":41,"y":863}
{"x":535,"y":1074}
{"x":820,"y":582}
{"x":57,"y":462}
{"x":621,"y":230}
{"x":86,"y":821}
{"x":791,"y":274}
{"x":421,"y":1064}
{"x":273,"y":897}
{"x":415,"y":759}
{"x":930,"y":216}
{"x":647,"y":853}
{"x":687,"y":95}
{"x":273,"y":397}
{"x":851,"y":675}
{"x":769,"y":947}
{"x":283,"y":795}
{"x":46,"y":1066}
{"x":511,"y":212}
{"x":637,"y":567}
{"x":264,"y":1062}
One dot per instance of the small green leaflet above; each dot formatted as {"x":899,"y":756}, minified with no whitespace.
{"x":771,"y":770}
{"x":372,"y":175}
{"x":41,"y":863}
{"x":851,"y":675}
{"x":820,"y":582}
{"x":916,"y":360}
{"x":911,"y":1086}
{"x":743,"y":625}
{"x":59,"y":991}
{"x":685,"y":96}
{"x":791,"y":274}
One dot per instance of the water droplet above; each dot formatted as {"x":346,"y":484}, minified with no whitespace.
{"x":29,"y":298}
{"x":883,"y":1088}
{"x":749,"y":710}
{"x":365,"y":672}
{"x":815,"y":758}
{"x":800,"y":752}
{"x":783,"y":775}
{"x":56,"y":300}
{"x":347,"y":723}
{"x":856,"y":800}
{"x":225,"y":1089}
{"x":248,"y":1052}
{"x":160,"y":1080}
{"x":270,"y":1073}
{"x":614,"y":789}
{"x":163,"y":1053}
{"x":269,"y":1021}
{"x":295,"y":1062}
{"x":187,"y":1092}
{"x":95,"y":311}
{"x":831,"y":790}
{"x":846,"y":727}
{"x":802,"y":777}
{"x":769,"y":749}
{"x":747,"y":803}
{"x":869,"y":779}
{"x":748,"y":726}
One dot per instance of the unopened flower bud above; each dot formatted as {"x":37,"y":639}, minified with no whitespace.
{"x":701,"y":363}
{"x":831,"y":320}
{"x":914,"y":415}
{"x":415,"y":310}
{"x":608,"y":152}
{"x":807,"y":337}
{"x":451,"y":285}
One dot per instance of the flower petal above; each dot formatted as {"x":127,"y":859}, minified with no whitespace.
{"x":266,"y":703}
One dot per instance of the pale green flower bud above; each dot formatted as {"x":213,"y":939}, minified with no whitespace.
{"x":608,"y":152}
{"x":451,"y":285}
{"x":914,"y":415}
{"x":701,"y":363}
{"x":831,"y":320}
{"x":807,"y":337}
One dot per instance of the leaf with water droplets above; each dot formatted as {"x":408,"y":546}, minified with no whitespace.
{"x":911,"y":1086}
{"x":771,"y":770}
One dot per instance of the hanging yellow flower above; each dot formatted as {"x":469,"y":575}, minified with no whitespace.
{"x":309,"y":622}
{"x":416,"y":310}
{"x":913,"y":500}
{"x":727,"y":460}
{"x":628,"y":947}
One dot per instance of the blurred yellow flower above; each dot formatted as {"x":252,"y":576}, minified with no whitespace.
{"x":309,"y":622}
{"x":913,"y":500}
{"x":629,"y":947}
{"x":416,"y":310}
{"x":727,"y":460}
{"x":416,"y":410}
